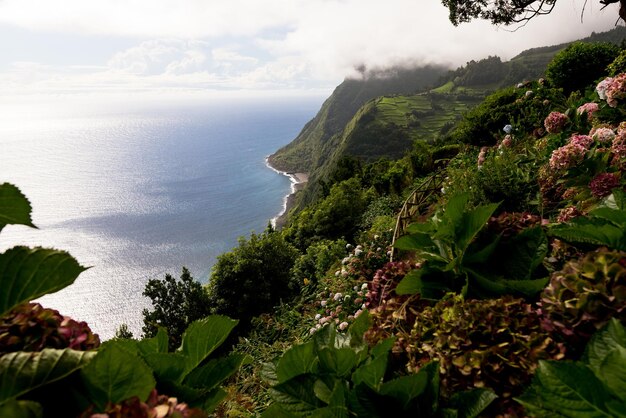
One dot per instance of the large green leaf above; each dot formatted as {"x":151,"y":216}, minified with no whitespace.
{"x":156,"y":344}
{"x":21,"y":409}
{"x":15,"y":208}
{"x":591,"y":231}
{"x":605,"y":341}
{"x":115,"y":375}
{"x":27,"y":273}
{"x":371,"y":373}
{"x":210,"y":375}
{"x":616,"y":216}
{"x":358,"y":328}
{"x":337,"y":361}
{"x":167,"y":367}
{"x":414,"y":242}
{"x":612,"y":372}
{"x":202,"y":337}
{"x":406,"y":388}
{"x":427,"y":281}
{"x":296,"y":395}
{"x":297,"y":360}
{"x":566,"y":388}
{"x":471,"y":223}
{"x":21,"y":372}
{"x":471,"y":403}
{"x":523,"y":254}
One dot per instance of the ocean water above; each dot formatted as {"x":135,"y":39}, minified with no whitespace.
{"x":137,"y":189}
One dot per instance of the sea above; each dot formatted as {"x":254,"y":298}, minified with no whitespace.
{"x":135,"y":188}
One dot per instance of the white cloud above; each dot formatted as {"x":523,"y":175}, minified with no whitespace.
{"x":287,"y":43}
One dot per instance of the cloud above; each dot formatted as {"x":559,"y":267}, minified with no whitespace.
{"x":278,"y":43}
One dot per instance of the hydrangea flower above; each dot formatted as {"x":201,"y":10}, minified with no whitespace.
{"x":616,"y":90}
{"x":507,"y":129}
{"x":506,"y":142}
{"x":482,"y":156}
{"x":588,"y":108}
{"x":603,"y":184}
{"x":602,"y":87}
{"x":583,"y":141}
{"x":603,"y":135}
{"x":567,"y":156}
{"x":555,"y":122}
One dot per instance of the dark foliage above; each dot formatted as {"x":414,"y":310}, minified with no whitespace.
{"x":176,"y":304}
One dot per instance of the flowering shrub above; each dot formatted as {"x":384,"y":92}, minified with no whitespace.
{"x":603,"y":184}
{"x":31,"y":327}
{"x":589,"y":109}
{"x":584,"y":295}
{"x":555,"y":122}
{"x":493,"y":343}
{"x":612,"y":89}
{"x":156,"y":406}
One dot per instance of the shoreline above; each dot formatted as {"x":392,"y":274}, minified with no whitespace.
{"x":298,"y":180}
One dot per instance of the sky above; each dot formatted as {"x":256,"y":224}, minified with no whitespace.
{"x":249,"y":46}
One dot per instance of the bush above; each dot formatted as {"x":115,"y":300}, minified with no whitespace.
{"x":580,"y":64}
{"x":253,"y":277}
{"x":176,"y":304}
{"x":618,"y":66}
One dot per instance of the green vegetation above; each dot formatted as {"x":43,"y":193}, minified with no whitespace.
{"x":509,"y":257}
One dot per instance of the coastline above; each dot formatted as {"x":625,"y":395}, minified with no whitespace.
{"x":298,"y":180}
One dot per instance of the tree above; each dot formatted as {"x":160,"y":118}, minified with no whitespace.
{"x":123,"y":333}
{"x":508,"y":11}
{"x":253,"y":277}
{"x":176,"y":303}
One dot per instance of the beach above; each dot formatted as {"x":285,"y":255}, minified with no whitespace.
{"x":298,"y":181}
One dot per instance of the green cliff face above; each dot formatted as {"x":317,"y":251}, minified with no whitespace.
{"x":310,"y":148}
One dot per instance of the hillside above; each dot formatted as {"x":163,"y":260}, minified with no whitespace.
{"x":306,"y":152}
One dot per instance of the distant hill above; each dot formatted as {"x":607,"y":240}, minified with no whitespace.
{"x":382,"y":115}
{"x":307,"y":151}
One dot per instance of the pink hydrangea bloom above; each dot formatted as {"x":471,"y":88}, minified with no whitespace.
{"x":507,"y":141}
{"x":616,"y":90}
{"x":583,"y":141}
{"x":588,"y":108}
{"x":555,"y":122}
{"x":603,"y":135}
{"x":603,"y":184}
{"x":482,"y":155}
{"x":567,"y":156}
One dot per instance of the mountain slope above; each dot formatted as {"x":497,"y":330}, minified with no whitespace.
{"x":306,"y":151}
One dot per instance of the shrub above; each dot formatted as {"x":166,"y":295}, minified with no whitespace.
{"x":580,"y":64}
{"x":176,"y":304}
{"x":585,"y":295}
{"x":618,"y":65}
{"x":253,"y":277}
{"x":482,"y":343}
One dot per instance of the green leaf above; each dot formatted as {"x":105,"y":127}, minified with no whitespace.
{"x":420,"y":228}
{"x":297,"y":360}
{"x":482,"y":255}
{"x":472,"y":402}
{"x":15,"y":208}
{"x":406,"y":388}
{"x":202,"y":337}
{"x":411,"y":283}
{"x":26,"y":274}
{"x":21,"y":409}
{"x":215,"y":372}
{"x":296,"y":395}
{"x":275,"y":411}
{"x":603,"y":343}
{"x":167,"y":367}
{"x":523,"y":254}
{"x":616,"y":216}
{"x":371,"y":373}
{"x":21,"y":372}
{"x":357,"y":329}
{"x":471,"y":223}
{"x":383,"y":348}
{"x":591,"y":231}
{"x":337,"y":361}
{"x":156,"y":344}
{"x":566,"y":388}
{"x":115,"y":375}
{"x":612,"y":372}
{"x":414,"y":242}
{"x":322,"y":391}
{"x":616,"y":200}
{"x":211,"y":400}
